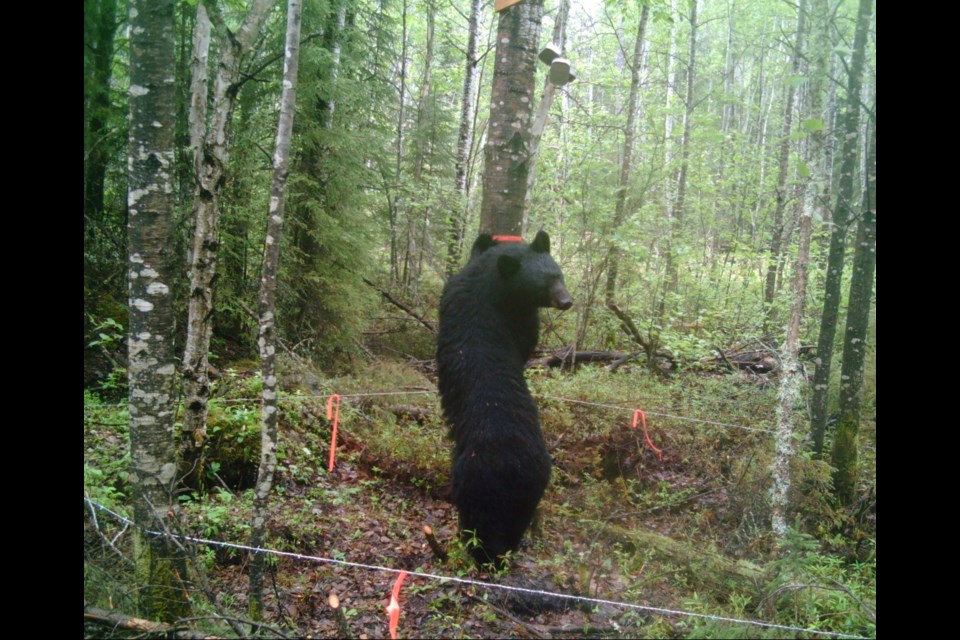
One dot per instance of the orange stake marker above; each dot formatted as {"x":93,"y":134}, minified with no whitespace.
{"x":333,"y":413}
{"x":393,"y":609}
{"x":640,"y":416}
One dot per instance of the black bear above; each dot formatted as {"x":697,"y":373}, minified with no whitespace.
{"x":489,"y":325}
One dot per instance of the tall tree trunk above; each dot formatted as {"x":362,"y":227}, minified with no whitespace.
{"x":417,"y":222}
{"x":267,"y":306}
{"x":543,"y":109}
{"x":100,"y":25}
{"x":614,"y":254}
{"x":838,"y":239}
{"x":728,"y":72}
{"x":844,"y":454}
{"x":676,"y":219}
{"x":211,"y":160}
{"x":424,"y":110}
{"x":394,"y":200}
{"x":789,"y":398}
{"x":456,"y":221}
{"x":783,"y":166}
{"x":152,"y":372}
{"x":511,"y":106}
{"x":333,"y":40}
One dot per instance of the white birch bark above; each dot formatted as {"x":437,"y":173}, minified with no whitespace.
{"x":152,"y":372}
{"x":267,"y":305}
{"x":211,"y":158}
{"x":464,"y":142}
{"x":789,"y":401}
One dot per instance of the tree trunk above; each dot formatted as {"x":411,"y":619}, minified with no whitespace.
{"x":417,"y":222}
{"x":464,"y":145}
{"x":614,"y":254}
{"x":844,"y":454}
{"x":789,"y":398}
{"x":210,"y":164}
{"x":507,"y":152}
{"x":267,"y":306}
{"x":100,"y":25}
{"x":783,"y":166}
{"x":838,"y":239}
{"x":672,"y":284}
{"x":543,"y":109}
{"x":152,"y":372}
{"x":333,"y":41}
{"x":394,"y":199}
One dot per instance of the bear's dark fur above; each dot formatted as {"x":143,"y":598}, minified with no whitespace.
{"x":489,"y":325}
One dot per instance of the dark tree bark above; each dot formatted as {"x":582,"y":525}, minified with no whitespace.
{"x":838,"y":239}
{"x":844,"y":454}
{"x":267,"y":306}
{"x":152,"y":372}
{"x":464,"y":144}
{"x":211,"y":142}
{"x":507,"y":152}
{"x":614,"y":255}
{"x":100,"y":25}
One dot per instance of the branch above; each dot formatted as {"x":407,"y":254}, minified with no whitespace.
{"x":401,"y":306}
{"x":628,"y":325}
{"x":117,"y":620}
{"x":250,"y":75}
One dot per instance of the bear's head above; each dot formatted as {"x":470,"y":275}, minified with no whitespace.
{"x":527,"y":272}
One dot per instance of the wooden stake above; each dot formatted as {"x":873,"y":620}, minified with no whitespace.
{"x":438,"y":550}
{"x":343,"y":628}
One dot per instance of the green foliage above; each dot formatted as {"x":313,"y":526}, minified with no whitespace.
{"x":106,"y":455}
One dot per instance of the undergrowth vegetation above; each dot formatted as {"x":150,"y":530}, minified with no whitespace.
{"x":688,"y":530}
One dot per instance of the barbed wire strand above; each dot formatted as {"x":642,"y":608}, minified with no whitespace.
{"x":483,"y":585}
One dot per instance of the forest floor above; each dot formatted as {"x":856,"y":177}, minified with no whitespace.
{"x":686,"y":532}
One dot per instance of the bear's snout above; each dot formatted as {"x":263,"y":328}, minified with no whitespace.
{"x":560,"y":298}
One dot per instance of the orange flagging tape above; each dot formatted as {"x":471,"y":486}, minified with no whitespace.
{"x":393,"y":609}
{"x":640,"y":416}
{"x":333,"y":413}
{"x":508,"y":238}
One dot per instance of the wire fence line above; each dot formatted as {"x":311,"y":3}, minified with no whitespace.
{"x":476,"y":583}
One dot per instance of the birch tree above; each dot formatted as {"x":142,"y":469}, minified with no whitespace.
{"x":464,"y":142}
{"x":507,"y":151}
{"x":267,"y":305}
{"x":791,"y":377}
{"x":210,"y":139}
{"x":152,"y":372}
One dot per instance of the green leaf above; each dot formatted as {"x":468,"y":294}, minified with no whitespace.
{"x":796,"y":81}
{"x":813,"y":124}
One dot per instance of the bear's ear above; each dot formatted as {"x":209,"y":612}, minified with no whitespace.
{"x":481,"y":244}
{"x":541,"y":244}
{"x":508,"y":266}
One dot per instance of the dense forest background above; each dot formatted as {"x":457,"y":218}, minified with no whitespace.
{"x":708,"y":180}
